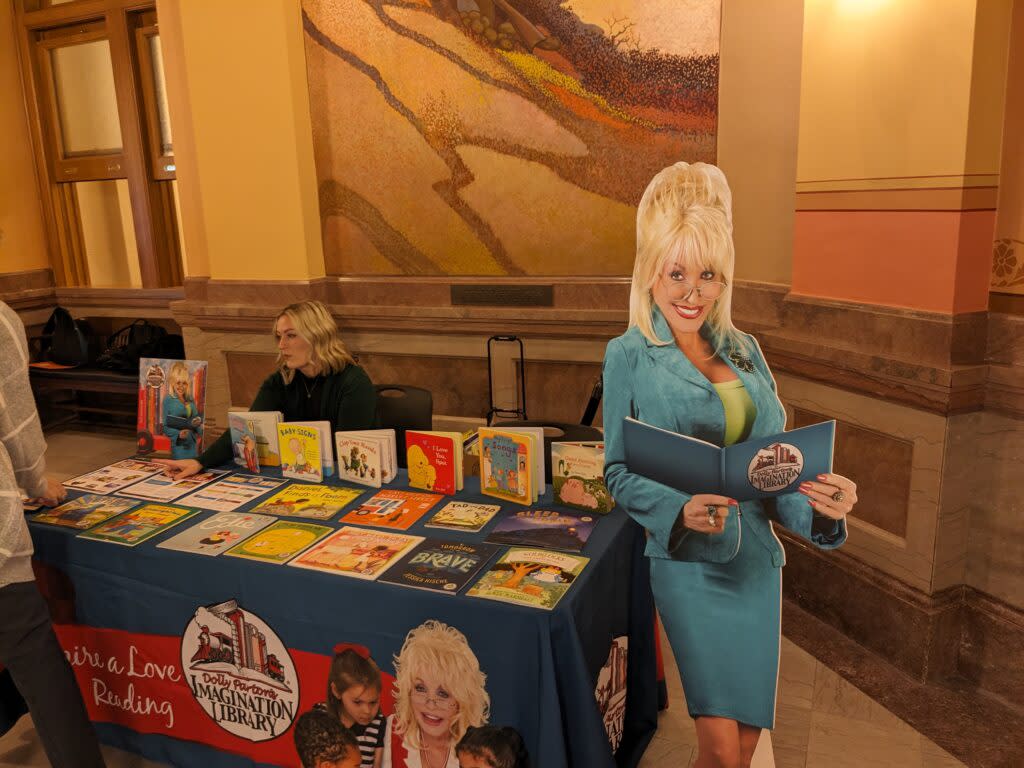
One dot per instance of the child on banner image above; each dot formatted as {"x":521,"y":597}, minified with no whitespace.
{"x":439,"y":695}
{"x":183,"y":423}
{"x":323,"y":742}
{"x":353,"y":699}
{"x":683,"y":366}
{"x":316,"y":380}
{"x":492,"y":747}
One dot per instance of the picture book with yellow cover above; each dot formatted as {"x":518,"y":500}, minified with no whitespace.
{"x":280,"y":542}
{"x":318,"y":502}
{"x":506,"y":465}
{"x":300,"y":452}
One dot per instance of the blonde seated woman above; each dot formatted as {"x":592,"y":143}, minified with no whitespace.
{"x":316,"y":380}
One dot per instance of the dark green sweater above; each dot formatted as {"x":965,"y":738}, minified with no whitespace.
{"x":347,"y":399}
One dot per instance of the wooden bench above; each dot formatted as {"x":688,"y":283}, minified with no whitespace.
{"x":89,"y":396}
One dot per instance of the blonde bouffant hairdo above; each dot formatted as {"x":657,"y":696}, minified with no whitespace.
{"x":437,"y":651}
{"x":314,"y":323}
{"x":685,"y":218}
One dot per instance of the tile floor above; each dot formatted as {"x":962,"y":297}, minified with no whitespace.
{"x":822,"y":721}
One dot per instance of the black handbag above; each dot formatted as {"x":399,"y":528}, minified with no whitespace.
{"x":65,"y":340}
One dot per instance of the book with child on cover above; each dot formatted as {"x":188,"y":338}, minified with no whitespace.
{"x":357,"y":552}
{"x":261,"y":428}
{"x":440,"y":565}
{"x":217,"y":533}
{"x":534,"y":577}
{"x":392,"y":509}
{"x":300,"y":452}
{"x":507,"y":460}
{"x":139,"y":524}
{"x":318,"y":502}
{"x":84,"y":512}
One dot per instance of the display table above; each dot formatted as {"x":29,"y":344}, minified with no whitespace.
{"x":133,"y":607}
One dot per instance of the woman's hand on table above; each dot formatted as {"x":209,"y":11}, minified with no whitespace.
{"x":706,"y":512}
{"x":832,"y":496}
{"x":179,"y":469}
{"x":54,"y":495}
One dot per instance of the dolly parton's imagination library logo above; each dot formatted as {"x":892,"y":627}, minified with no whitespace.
{"x":239,"y":671}
{"x":775,"y":466}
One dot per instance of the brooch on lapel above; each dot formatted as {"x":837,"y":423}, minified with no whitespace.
{"x":742,"y":362}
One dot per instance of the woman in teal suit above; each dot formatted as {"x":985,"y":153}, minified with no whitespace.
{"x":683,"y":366}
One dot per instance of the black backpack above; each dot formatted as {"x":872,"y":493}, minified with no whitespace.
{"x":65,"y":340}
{"x":136,"y":340}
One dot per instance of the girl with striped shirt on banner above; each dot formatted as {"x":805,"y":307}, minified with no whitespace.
{"x":353,"y":696}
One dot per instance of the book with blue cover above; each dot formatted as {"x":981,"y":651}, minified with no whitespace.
{"x":754,"y":469}
{"x":440,"y":565}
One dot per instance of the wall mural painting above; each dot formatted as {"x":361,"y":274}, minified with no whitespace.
{"x":501,"y":137}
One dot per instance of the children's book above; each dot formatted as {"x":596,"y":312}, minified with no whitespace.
{"x":463,"y":516}
{"x":326,"y":444}
{"x":172,"y":398}
{"x":243,"y":442}
{"x":539,"y":471}
{"x":261,"y":427}
{"x":392,"y":509}
{"x":31,"y":505}
{"x":389,"y":462}
{"x":357,"y":552}
{"x":139,"y":524}
{"x":115,"y":476}
{"x":577,"y":476}
{"x":545,"y":528}
{"x":439,"y":565}
{"x":279,"y":542}
{"x":84,"y":512}
{"x":300,"y":452}
{"x":534,"y":577}
{"x":318,"y":502}
{"x":754,"y":469}
{"x":507,"y":461}
{"x":361,"y":458}
{"x":217,"y":533}
{"x":434,"y":460}
{"x":232,"y":492}
{"x":165,"y":488}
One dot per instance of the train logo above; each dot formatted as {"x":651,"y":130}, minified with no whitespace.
{"x":239,"y":671}
{"x":775,"y":466}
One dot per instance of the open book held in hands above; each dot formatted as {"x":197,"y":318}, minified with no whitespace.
{"x":754,"y":469}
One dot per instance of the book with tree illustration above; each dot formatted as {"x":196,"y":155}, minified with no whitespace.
{"x":577,"y":476}
{"x":534,"y":577}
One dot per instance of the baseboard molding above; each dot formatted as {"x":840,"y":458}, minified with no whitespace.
{"x":958,"y":633}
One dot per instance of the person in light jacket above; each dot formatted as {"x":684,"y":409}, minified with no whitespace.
{"x":28,"y":645}
{"x":715,"y":564}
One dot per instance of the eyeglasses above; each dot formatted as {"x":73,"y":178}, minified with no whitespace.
{"x":682,"y":289}
{"x":440,"y":700}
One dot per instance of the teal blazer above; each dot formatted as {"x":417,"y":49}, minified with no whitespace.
{"x":660,"y":386}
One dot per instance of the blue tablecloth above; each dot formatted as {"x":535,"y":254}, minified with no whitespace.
{"x":541,"y":665}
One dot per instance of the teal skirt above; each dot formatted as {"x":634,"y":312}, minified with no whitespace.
{"x":723,"y":623}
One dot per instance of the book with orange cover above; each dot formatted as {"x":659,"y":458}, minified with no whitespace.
{"x":434,"y":460}
{"x":392,"y":509}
